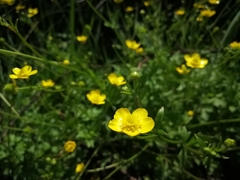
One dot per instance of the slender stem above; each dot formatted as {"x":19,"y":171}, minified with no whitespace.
{"x":96,"y":11}
{"x":191,"y":175}
{"x":72,"y":25}
{"x":102,"y":168}
{"x":9,"y":105}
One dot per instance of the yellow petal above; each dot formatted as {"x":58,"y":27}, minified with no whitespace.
{"x":131,"y":133}
{"x":140,"y":113}
{"x":27,"y":69}
{"x":115,"y":125}
{"x":33,"y":72}
{"x":147,"y":125}
{"x":187,"y":57}
{"x":121,"y":114}
{"x":13,"y":76}
{"x":16,"y":70}
{"x":195,"y":56}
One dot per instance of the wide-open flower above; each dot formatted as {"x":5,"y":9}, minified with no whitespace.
{"x":183,"y":69}
{"x":69,"y":146}
{"x":235,"y":45}
{"x":214,"y":1}
{"x":207,"y":12}
{"x":79,"y":167}
{"x":131,"y":124}
{"x":132,"y":44}
{"x":47,"y":83}
{"x":96,"y":98}
{"x":195,"y":61}
{"x":82,"y":38}
{"x":114,"y":80}
{"x":32,"y":12}
{"x":23,"y":73}
{"x":9,"y":2}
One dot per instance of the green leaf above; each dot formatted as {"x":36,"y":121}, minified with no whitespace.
{"x":200,"y":142}
{"x":159,"y":118}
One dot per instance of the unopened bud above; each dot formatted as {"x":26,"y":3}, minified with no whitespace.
{"x":134,"y":75}
{"x":230,"y":142}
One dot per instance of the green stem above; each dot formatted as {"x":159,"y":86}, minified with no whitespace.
{"x":102,"y":168}
{"x":72,"y":25}
{"x":9,"y":105}
{"x":224,"y":121}
{"x":191,"y":175}
{"x":96,"y":11}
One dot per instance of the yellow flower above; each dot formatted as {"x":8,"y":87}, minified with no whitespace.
{"x":214,"y":1}
{"x":132,"y":44}
{"x":199,"y":18}
{"x":82,"y":38}
{"x":114,"y":80}
{"x":47,"y":83}
{"x":32,"y":12}
{"x":146,"y":3}
{"x":23,"y":73}
{"x":9,"y":2}
{"x":139,"y":50}
{"x":19,"y":7}
{"x":96,"y":98}
{"x":199,"y":6}
{"x":180,"y":12}
{"x":66,"y":62}
{"x":183,"y":69}
{"x":129,"y":9}
{"x":195,"y":61}
{"x":79,"y":167}
{"x":118,"y":1}
{"x":190,"y":113}
{"x":235,"y":45}
{"x":207,"y":12}
{"x":69,"y":146}
{"x":131,"y":124}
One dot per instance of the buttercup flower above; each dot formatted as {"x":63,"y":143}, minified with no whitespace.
{"x":82,"y":38}
{"x":79,"y":167}
{"x":183,"y":69}
{"x":19,"y":7}
{"x":195,"y":61}
{"x":96,"y":98}
{"x":190,"y":113}
{"x":129,"y":9}
{"x":131,"y":124}
{"x":235,"y":45}
{"x":8,"y":2}
{"x":214,"y":1}
{"x":207,"y":12}
{"x":47,"y":83}
{"x":132,"y":44}
{"x":199,"y":6}
{"x":118,"y":1}
{"x":139,"y":50}
{"x":32,"y":12}
{"x":146,"y":3}
{"x":66,"y":62}
{"x":69,"y":146}
{"x":23,"y":73}
{"x":180,"y":12}
{"x":114,"y":80}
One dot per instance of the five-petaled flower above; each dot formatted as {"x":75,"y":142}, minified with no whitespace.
{"x":82,"y":38}
{"x":32,"y":12}
{"x":47,"y":83}
{"x":180,"y":12}
{"x":69,"y":146}
{"x":95,"y":97}
{"x":79,"y":167}
{"x":9,"y":2}
{"x":114,"y":80}
{"x":207,"y":12}
{"x":235,"y":45}
{"x":183,"y":69}
{"x":131,"y":124}
{"x":195,"y":61}
{"x":23,"y":73}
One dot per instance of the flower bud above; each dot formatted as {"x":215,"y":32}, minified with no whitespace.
{"x":134,"y":75}
{"x":81,"y":83}
{"x":230,"y":142}
{"x":48,"y":159}
{"x":53,"y":162}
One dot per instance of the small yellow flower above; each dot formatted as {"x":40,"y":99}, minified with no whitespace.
{"x":9,"y":2}
{"x":235,"y":45}
{"x":180,"y":12}
{"x":129,"y":9}
{"x":195,"y":61}
{"x":214,"y":1}
{"x":140,"y":50}
{"x":47,"y":83}
{"x":114,"y":80}
{"x":32,"y":12}
{"x":199,"y":18}
{"x":146,"y":3}
{"x":198,"y":6}
{"x":118,"y":1}
{"x":95,"y":97}
{"x":82,"y":38}
{"x":79,"y":167}
{"x":190,"y":113}
{"x":66,"y":62}
{"x":19,"y":7}
{"x":132,"y":44}
{"x":23,"y":73}
{"x":207,"y":12}
{"x":183,"y":69}
{"x":69,"y":146}
{"x":131,"y":124}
